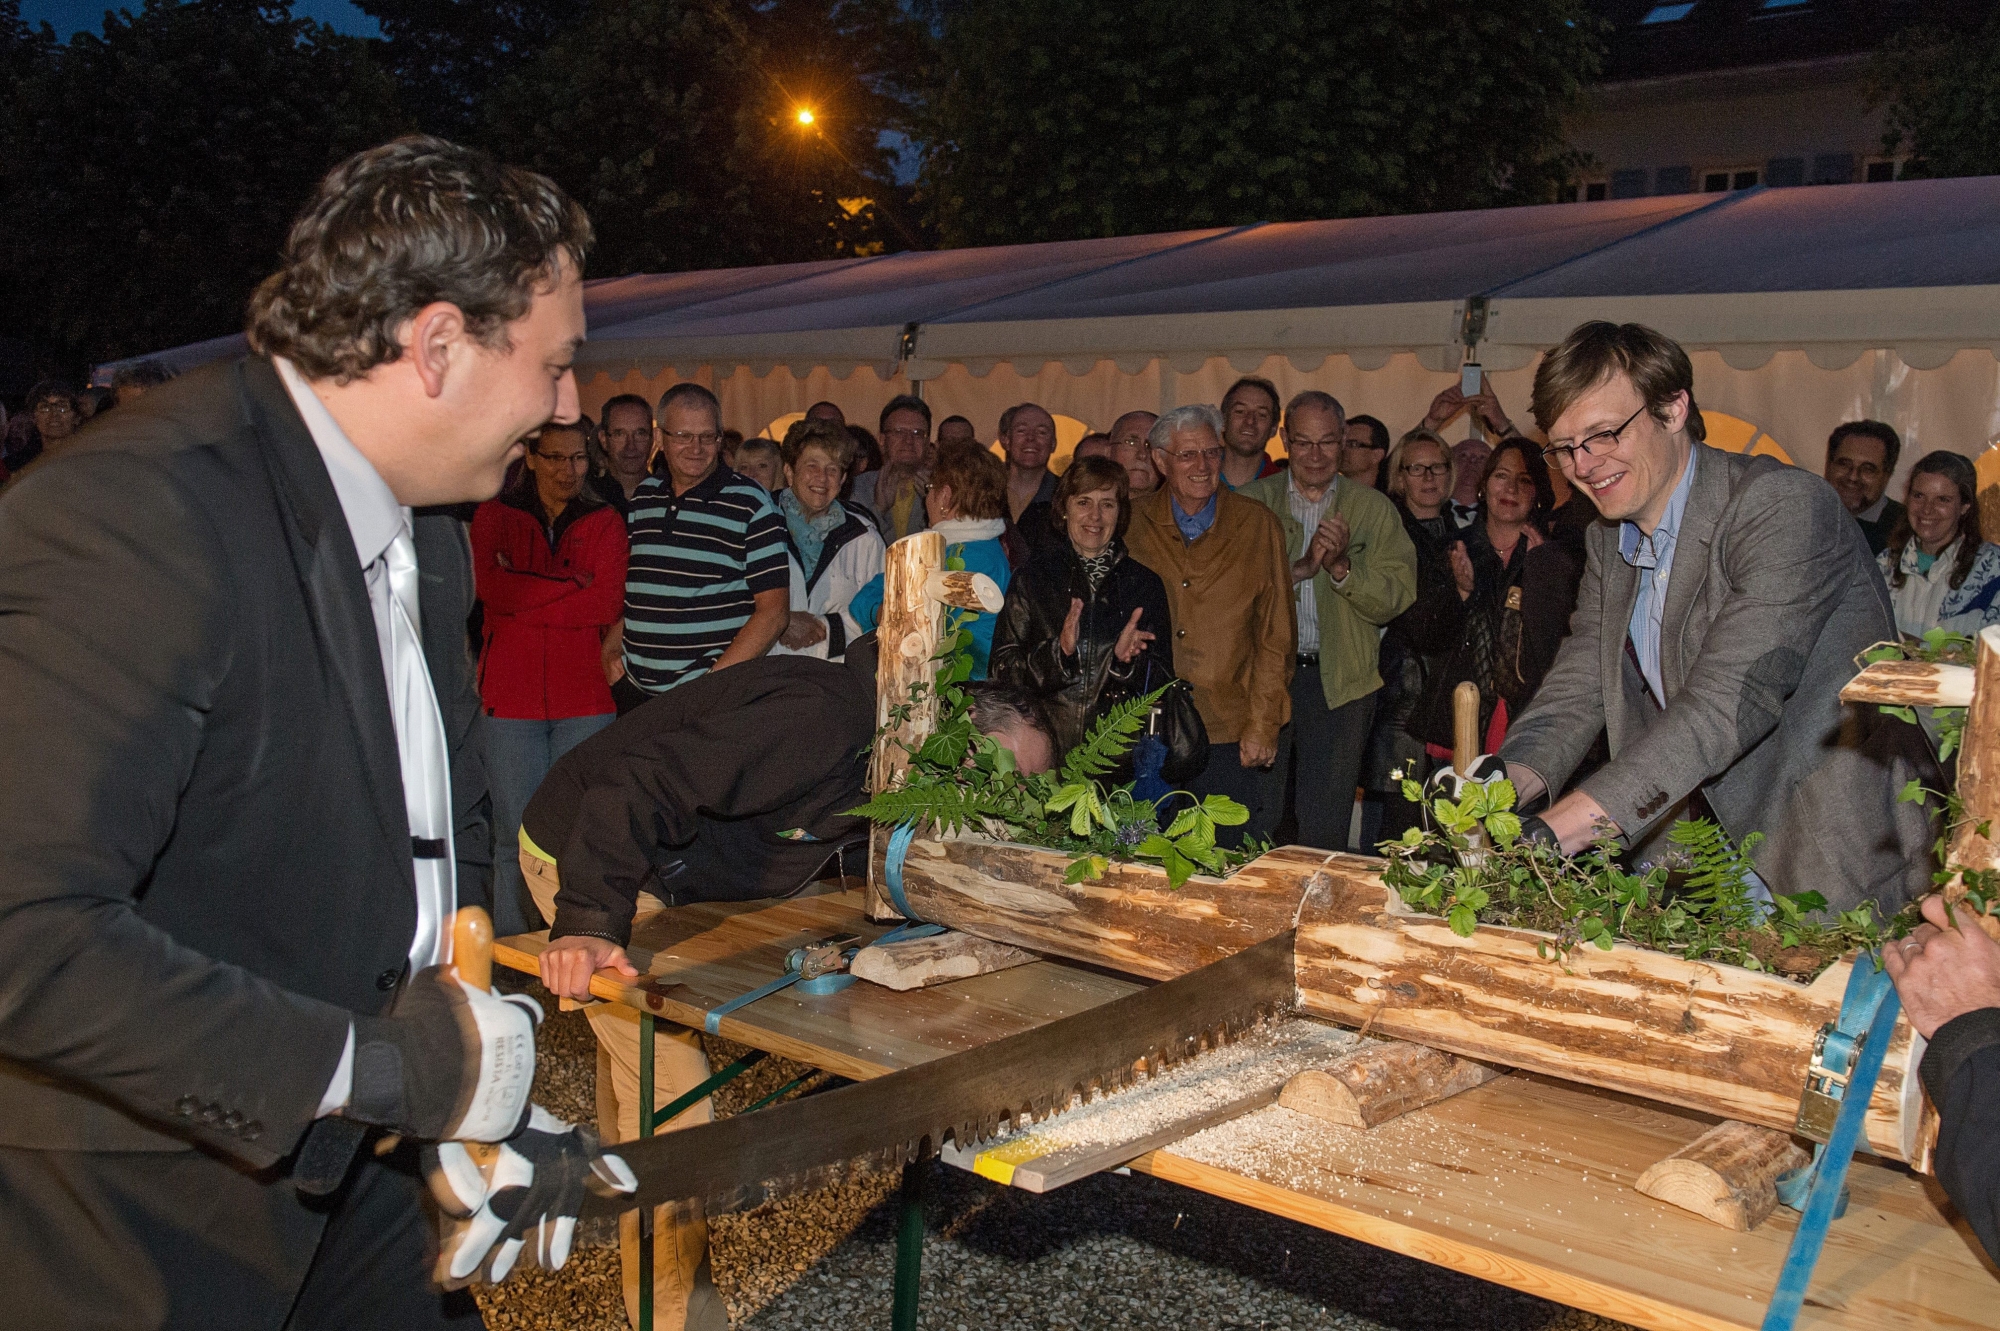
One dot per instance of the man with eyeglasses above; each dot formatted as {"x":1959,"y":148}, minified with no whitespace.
{"x":1353,"y":569}
{"x":1129,"y":448}
{"x":1222,"y":558}
{"x":627,"y":438}
{"x":894,"y":493}
{"x":1860,"y":459}
{"x":708,"y":585}
{"x":1724,"y":601}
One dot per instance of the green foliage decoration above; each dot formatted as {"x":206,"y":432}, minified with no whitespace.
{"x":959,"y":780}
{"x":1472,"y":868}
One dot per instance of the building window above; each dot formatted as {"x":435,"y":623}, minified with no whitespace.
{"x":1674,"y":180}
{"x":1566,"y":194}
{"x":1666,"y":14}
{"x":1629,"y":184}
{"x":1718,"y":182}
{"x":1879,"y":171}
{"x":1596,"y":191}
{"x":1785,"y":171}
{"x":1833,"y":169}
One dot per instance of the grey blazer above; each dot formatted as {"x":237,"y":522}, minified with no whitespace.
{"x":1772,"y":596}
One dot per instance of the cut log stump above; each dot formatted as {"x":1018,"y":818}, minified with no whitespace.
{"x":920,"y":963}
{"x":1382,"y":1081}
{"x":1729,"y":1174}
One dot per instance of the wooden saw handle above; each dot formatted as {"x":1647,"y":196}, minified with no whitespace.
{"x":472,"y":959}
{"x":1464,"y":727}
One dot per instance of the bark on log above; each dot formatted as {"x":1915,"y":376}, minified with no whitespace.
{"x":923,"y":962}
{"x":906,"y":637}
{"x":1709,"y":1036}
{"x":1979,"y":759}
{"x":1387,"y":1079}
{"x":1729,"y":1174}
{"x":1911,"y":684}
{"x":1712,"y":1037}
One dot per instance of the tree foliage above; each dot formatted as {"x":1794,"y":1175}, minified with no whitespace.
{"x":1054,"y":121}
{"x":1941,"y":91}
{"x":448,"y":55}
{"x":149,"y":172}
{"x":674,"y":123}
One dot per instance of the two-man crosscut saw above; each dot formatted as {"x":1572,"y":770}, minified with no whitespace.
{"x":968,"y":1096}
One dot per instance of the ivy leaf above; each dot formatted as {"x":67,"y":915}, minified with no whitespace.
{"x":1912,"y":793}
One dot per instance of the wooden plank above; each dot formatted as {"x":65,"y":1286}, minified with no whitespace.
{"x":1911,"y":684}
{"x":1528,"y":1182}
{"x":1210,"y":1088}
{"x":1129,"y":920}
{"x":695,"y":958}
{"x":1719,"y":1039}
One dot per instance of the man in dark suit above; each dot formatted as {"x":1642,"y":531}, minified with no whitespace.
{"x":1724,"y":600}
{"x":245,"y":787}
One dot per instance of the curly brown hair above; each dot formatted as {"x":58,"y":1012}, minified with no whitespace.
{"x":977,"y":479}
{"x":831,"y":437}
{"x":402,"y":226}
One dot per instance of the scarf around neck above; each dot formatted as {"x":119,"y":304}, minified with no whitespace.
{"x":809,"y":534}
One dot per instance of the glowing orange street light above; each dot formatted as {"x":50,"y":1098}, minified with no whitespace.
{"x":805,"y":116}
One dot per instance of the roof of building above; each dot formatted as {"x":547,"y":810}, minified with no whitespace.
{"x":1662,"y":38}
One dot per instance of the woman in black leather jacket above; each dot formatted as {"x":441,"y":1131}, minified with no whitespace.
{"x":1085,"y":624}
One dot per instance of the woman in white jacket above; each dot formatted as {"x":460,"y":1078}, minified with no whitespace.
{"x":835,"y":550}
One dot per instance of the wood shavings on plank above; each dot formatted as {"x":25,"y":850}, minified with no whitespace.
{"x":1191,"y":1095}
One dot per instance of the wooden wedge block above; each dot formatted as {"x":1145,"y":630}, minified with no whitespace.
{"x":1728,"y":1174}
{"x":922,"y":962}
{"x":1381,"y":1082}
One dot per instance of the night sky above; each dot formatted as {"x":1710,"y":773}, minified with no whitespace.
{"x":68,"y":16}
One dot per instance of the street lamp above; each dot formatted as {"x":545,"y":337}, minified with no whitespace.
{"x":805,"y":115}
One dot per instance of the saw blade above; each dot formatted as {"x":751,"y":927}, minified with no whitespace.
{"x":969,"y":1096}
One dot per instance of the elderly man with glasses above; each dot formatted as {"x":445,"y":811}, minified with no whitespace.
{"x":894,"y":493}
{"x":1724,"y":601}
{"x":1229,"y":591}
{"x":708,"y":585}
{"x":1353,"y":569}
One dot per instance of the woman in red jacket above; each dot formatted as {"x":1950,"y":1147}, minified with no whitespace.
{"x":550,"y":559}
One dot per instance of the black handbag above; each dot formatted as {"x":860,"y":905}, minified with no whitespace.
{"x":1177,"y":724}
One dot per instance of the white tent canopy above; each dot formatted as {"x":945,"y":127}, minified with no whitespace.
{"x":1804,"y":307}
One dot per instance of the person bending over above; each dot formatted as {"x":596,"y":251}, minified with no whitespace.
{"x":733,"y":787}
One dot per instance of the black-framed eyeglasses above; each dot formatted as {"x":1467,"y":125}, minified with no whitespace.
{"x":1590,"y":445}
{"x":1426,"y":468}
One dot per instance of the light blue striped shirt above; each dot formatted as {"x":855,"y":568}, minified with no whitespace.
{"x":1653,"y":556}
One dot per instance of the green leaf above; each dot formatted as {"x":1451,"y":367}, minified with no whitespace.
{"x":1464,"y":921}
{"x":1086,"y":868}
{"x":1183,"y":822}
{"x":1912,"y":793}
{"x":1474,"y":899}
{"x":1225,"y":811}
{"x":1179,"y":867}
{"x":1500,"y":795}
{"x":1413,"y":792}
{"x":1504,"y":828}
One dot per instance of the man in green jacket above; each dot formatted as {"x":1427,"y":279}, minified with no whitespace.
{"x":1353,"y":570}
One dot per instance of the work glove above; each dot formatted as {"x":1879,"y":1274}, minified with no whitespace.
{"x":1449,"y":783}
{"x":448,"y":1061}
{"x":523,"y":1194}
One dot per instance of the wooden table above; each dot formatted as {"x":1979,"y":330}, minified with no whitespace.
{"x":1526,"y":1181}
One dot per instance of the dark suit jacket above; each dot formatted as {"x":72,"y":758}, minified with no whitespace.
{"x":1773,"y":594}
{"x":208,"y":858}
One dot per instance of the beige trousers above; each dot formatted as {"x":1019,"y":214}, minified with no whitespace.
{"x":684,"y":1298}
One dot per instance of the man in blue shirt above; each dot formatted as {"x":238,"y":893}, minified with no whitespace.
{"x":1724,"y":600}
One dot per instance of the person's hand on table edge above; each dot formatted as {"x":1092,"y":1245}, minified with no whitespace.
{"x":1942,"y":970}
{"x":567,"y":964}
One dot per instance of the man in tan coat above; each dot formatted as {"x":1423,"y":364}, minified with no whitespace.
{"x":1228,"y":581}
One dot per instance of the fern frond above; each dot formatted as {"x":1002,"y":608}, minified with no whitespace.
{"x":1109,"y":738}
{"x":945,"y":807}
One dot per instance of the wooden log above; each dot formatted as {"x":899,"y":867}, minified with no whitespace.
{"x":1385,"y":1080}
{"x":1911,"y":684}
{"x":1979,"y":761}
{"x":906,"y":636}
{"x":920,"y":963}
{"x":966,"y":591}
{"x":1729,"y":1174}
{"x":1711,"y":1037}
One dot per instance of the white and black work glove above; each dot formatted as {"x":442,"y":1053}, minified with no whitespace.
{"x":447,"y":1062}
{"x":1449,"y":783}
{"x":526,"y":1195}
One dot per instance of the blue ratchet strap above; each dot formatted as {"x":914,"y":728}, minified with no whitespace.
{"x":712,"y":1023}
{"x":892,"y":870}
{"x":1867,"y":1018}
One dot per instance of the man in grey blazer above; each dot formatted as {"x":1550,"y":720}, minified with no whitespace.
{"x":1724,"y":600}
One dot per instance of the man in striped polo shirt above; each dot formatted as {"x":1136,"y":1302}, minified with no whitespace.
{"x":707,"y":585}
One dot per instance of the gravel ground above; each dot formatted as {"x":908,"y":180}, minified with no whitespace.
{"x":1113,"y":1251}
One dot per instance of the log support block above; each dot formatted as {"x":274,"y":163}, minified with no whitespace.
{"x":920,"y":963}
{"x":1380,"y":1082}
{"x":1729,"y":1174}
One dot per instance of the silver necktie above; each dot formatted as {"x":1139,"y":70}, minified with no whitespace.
{"x":420,"y":742}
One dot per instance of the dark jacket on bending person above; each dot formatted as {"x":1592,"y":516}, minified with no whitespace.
{"x":1509,"y":629}
{"x":732,"y":787}
{"x":1076,"y":689}
{"x":1961,"y":1070}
